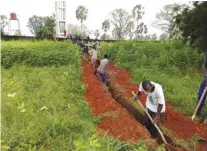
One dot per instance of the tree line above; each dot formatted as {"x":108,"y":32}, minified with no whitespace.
{"x":186,"y":22}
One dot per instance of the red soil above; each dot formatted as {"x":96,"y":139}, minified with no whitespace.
{"x":121,"y":125}
{"x":181,"y":126}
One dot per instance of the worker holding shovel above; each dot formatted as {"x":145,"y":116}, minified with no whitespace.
{"x":155,"y":104}
{"x":202,"y":93}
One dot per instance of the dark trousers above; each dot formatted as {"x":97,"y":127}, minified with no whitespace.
{"x":146,"y":122}
{"x":103,"y":76}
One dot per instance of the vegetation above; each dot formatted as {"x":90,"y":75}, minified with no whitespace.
{"x":192,"y":24}
{"x":174,"y":65}
{"x":3,"y":23}
{"x":42,"y":27}
{"x":43,"y":107}
{"x":81,"y":14}
{"x":38,"y":54}
{"x":165,"y":19}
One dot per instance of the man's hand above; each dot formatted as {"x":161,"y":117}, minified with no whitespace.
{"x":136,"y":97}
{"x":156,"y":119}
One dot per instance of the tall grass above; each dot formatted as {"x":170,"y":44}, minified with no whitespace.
{"x":38,"y":54}
{"x":174,"y":65}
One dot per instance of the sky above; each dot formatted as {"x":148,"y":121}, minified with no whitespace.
{"x":98,"y":11}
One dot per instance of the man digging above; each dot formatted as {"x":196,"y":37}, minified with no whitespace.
{"x":202,"y":88}
{"x":101,"y":70}
{"x":155,"y":104}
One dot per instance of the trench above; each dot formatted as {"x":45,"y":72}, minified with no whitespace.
{"x":117,"y":95}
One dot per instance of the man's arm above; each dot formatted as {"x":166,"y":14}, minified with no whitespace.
{"x":161,"y":101}
{"x":140,"y":89}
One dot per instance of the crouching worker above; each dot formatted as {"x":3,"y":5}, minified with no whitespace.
{"x":101,"y":70}
{"x":155,"y":104}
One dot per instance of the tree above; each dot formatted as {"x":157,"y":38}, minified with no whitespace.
{"x":42,"y":27}
{"x":18,"y":33}
{"x":76,"y":30}
{"x":97,"y":34}
{"x":137,"y":13}
{"x":165,"y":18}
{"x":141,"y":28}
{"x":130,"y":29}
{"x":81,"y":14}
{"x":164,"y":36}
{"x":3,"y":23}
{"x":106,"y":25}
{"x":49,"y":26}
{"x":154,"y":37}
{"x":120,"y":19}
{"x":105,"y":36}
{"x":193,"y":25}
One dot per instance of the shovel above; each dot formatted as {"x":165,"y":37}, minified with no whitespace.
{"x":158,"y":129}
{"x":199,"y":103}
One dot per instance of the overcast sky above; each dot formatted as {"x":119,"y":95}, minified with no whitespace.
{"x":98,"y":10}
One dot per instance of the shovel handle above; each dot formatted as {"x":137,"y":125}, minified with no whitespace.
{"x":199,"y":103}
{"x":158,"y":129}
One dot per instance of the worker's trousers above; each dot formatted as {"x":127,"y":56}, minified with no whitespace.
{"x":146,"y":122}
{"x":103,"y":76}
{"x":200,"y":92}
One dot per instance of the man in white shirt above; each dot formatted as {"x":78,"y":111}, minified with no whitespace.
{"x":94,"y":55}
{"x":96,"y":44}
{"x":101,"y":70}
{"x":155,"y":103}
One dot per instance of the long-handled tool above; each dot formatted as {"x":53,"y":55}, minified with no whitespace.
{"x":199,"y":103}
{"x":158,"y":129}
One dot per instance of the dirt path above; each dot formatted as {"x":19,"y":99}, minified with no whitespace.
{"x":116,"y":121}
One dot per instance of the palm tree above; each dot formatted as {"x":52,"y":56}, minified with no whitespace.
{"x":81,"y":14}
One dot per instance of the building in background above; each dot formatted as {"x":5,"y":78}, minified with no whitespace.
{"x":14,"y":25}
{"x":60,"y":17}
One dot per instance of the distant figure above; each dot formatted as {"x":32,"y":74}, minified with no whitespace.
{"x":94,"y":55}
{"x":96,"y":44}
{"x":85,"y":49}
{"x":65,"y":32}
{"x":88,"y":37}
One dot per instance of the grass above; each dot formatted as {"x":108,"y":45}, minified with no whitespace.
{"x":48,"y":111}
{"x":43,"y":106}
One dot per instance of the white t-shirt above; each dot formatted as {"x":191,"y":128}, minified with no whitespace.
{"x":94,"y":54}
{"x":103,"y":65}
{"x":154,"y":98}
